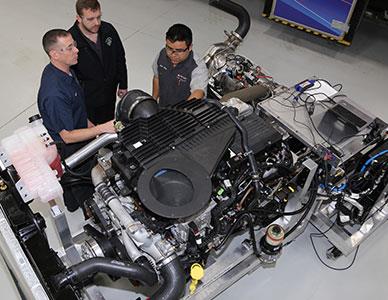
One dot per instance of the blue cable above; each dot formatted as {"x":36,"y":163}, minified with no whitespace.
{"x":340,"y":188}
{"x":372,"y":159}
{"x":335,"y":188}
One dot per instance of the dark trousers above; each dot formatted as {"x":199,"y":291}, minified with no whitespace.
{"x":101,"y":114}
{"x":77,"y":188}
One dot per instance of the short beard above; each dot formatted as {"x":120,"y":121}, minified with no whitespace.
{"x":88,"y":30}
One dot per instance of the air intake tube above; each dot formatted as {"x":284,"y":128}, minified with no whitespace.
{"x":244,"y":20}
{"x":249,"y":94}
{"x":77,"y":273}
{"x":244,"y":143}
{"x":173,"y":281}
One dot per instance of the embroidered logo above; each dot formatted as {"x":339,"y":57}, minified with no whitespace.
{"x":180,"y":79}
{"x":108,"y":41}
{"x":163,"y":67}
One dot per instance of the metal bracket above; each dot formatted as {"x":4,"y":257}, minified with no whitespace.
{"x":312,"y":167}
{"x":63,"y":231}
{"x":4,"y":160}
{"x":92,"y":292}
{"x":346,"y":241}
{"x":23,"y":191}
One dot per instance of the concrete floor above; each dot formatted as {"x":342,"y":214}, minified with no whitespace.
{"x":287,"y":54}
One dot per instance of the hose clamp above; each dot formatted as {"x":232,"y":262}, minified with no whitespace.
{"x":248,"y":153}
{"x":167,"y":260}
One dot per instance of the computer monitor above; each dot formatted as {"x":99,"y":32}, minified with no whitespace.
{"x":333,"y":19}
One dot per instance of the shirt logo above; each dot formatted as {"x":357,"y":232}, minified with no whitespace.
{"x":163,"y":67}
{"x":180,"y":79}
{"x":108,"y":41}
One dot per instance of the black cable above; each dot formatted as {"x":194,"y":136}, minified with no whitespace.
{"x":319,"y":133}
{"x":294,"y":116}
{"x":329,"y":99}
{"x":262,"y":211}
{"x":308,"y":205}
{"x":333,"y":86}
{"x":244,"y":143}
{"x":322,"y":234}
{"x":306,"y":103}
{"x":338,"y":84}
{"x":233,"y":228}
{"x":325,"y":264}
{"x":73,"y":173}
{"x":289,"y":106}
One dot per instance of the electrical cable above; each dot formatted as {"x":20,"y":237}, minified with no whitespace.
{"x":370,"y":160}
{"x":244,"y":143}
{"x":294,"y":113}
{"x":319,"y":133}
{"x":78,"y":175}
{"x":308,"y":205}
{"x":324,"y":263}
{"x":81,"y":175}
{"x":333,"y":86}
{"x":233,"y":228}
{"x":260,"y":211}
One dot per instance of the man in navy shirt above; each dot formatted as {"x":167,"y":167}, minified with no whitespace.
{"x":61,"y":102}
{"x":60,"y":98}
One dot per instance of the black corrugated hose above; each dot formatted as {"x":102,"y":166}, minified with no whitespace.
{"x":244,"y":20}
{"x":88,"y":268}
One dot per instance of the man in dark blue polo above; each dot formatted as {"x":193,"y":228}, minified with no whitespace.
{"x":61,"y":101}
{"x":178,"y":74}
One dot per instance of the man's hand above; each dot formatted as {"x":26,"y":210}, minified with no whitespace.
{"x":121,"y":92}
{"x":196,"y":94}
{"x":107,"y":127}
{"x":84,"y":134}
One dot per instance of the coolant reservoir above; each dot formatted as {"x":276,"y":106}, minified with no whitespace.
{"x":31,"y":150}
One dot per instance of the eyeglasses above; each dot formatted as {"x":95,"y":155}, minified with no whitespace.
{"x":172,"y":50}
{"x":70,"y":47}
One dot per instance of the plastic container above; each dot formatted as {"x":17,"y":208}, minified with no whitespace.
{"x":31,"y":150}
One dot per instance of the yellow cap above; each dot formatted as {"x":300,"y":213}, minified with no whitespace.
{"x":196,"y":271}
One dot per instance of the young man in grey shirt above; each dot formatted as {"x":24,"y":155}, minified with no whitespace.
{"x":178,"y":74}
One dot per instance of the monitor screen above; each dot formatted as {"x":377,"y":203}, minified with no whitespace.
{"x":334,"y":19}
{"x":328,"y":16}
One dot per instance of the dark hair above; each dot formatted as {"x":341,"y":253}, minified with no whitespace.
{"x":86,"y":4}
{"x":50,"y":38}
{"x":180,"y":32}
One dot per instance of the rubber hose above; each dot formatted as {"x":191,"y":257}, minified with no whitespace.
{"x":173,"y":281}
{"x":244,"y":143}
{"x":244,"y":20}
{"x":77,"y":273}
